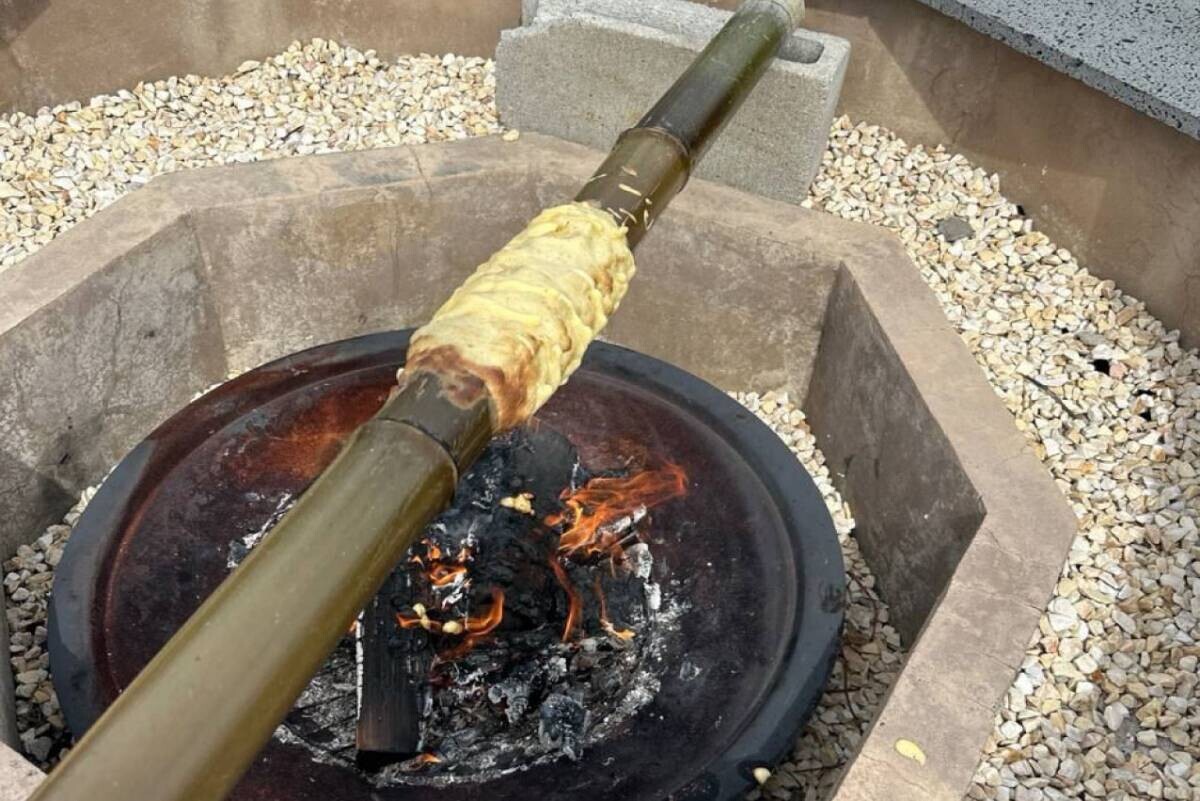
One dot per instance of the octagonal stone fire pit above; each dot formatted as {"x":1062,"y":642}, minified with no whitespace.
{"x":112,"y":328}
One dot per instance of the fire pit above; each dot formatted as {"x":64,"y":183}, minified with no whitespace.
{"x":635,"y":597}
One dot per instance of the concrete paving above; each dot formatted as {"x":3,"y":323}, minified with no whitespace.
{"x":18,"y":777}
{"x":1144,"y":54}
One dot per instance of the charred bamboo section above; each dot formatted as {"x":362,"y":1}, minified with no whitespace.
{"x":389,"y":713}
{"x":194,"y":719}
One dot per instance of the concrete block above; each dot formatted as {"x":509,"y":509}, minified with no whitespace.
{"x":585,"y":70}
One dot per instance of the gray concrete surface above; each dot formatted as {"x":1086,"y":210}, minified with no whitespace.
{"x":18,"y":777}
{"x":960,"y":522}
{"x":232,"y":266}
{"x":88,"y":363}
{"x":585,"y":70}
{"x":1145,"y":54}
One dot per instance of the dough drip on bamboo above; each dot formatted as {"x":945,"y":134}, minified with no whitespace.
{"x":520,"y":324}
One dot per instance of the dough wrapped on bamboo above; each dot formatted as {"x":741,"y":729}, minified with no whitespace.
{"x":519,"y":325}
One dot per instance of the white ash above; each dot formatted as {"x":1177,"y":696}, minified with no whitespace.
{"x":663,"y":638}
{"x":870,"y":657}
{"x":638,"y":557}
{"x":240,"y":547}
{"x":1105,"y":705}
{"x":562,"y":725}
{"x":60,"y":165}
{"x":469,"y":754}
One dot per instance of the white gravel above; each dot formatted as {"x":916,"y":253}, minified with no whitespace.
{"x":1104,"y":707}
{"x":27,"y":580}
{"x":63,"y":164}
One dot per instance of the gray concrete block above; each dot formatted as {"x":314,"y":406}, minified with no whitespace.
{"x":585,"y":70}
{"x":8,"y":716}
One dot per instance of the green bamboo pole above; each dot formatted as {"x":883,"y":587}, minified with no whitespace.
{"x":193,"y":720}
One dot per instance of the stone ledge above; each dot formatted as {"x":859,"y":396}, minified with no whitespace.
{"x":1143,"y":54}
{"x":18,"y":777}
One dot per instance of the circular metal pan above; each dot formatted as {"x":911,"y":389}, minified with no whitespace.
{"x":751,"y":542}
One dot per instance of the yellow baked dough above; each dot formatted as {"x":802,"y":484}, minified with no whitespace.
{"x":521,"y":323}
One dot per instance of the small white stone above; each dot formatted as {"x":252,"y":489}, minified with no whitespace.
{"x":1069,"y":770}
{"x":1115,"y":715}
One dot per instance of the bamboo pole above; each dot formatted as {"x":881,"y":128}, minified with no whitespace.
{"x":193,"y":720}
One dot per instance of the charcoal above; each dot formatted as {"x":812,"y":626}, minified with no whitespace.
{"x":516,"y":693}
{"x":562,"y":722}
{"x":606,"y":683}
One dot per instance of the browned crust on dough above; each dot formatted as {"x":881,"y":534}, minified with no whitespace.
{"x":465,"y":382}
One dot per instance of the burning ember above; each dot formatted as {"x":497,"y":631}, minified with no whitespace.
{"x":524,"y":626}
{"x":600,"y":516}
{"x":596,"y":520}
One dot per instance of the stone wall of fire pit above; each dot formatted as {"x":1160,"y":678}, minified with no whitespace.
{"x":119,"y":322}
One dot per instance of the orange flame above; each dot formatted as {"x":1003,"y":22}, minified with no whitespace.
{"x":442,"y":574}
{"x":481,"y":625}
{"x":594,"y":512}
{"x":428,"y":759}
{"x":605,"y":623}
{"x":442,"y":570}
{"x":478,"y":627}
{"x":574,"y":606}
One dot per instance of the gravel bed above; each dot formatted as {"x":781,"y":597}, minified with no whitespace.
{"x":63,"y":164}
{"x":1103,"y":707}
{"x":27,"y":580}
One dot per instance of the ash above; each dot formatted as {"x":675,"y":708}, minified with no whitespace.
{"x":239,"y":548}
{"x":533,"y":654}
